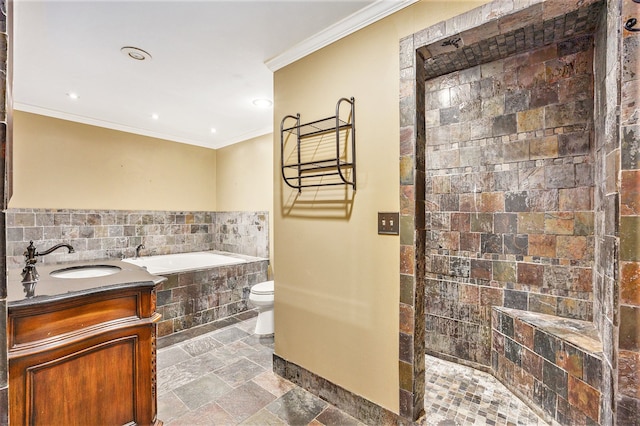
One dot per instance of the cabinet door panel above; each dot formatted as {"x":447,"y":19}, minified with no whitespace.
{"x":94,"y":386}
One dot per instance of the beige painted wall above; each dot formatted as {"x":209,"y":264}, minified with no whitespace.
{"x":61,"y":164}
{"x":337,"y":280}
{"x":244,"y":177}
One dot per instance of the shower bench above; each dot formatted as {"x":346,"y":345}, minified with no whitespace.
{"x":554,"y":364}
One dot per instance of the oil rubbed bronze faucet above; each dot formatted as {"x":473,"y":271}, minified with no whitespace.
{"x":140,"y":247}
{"x":29,"y":273}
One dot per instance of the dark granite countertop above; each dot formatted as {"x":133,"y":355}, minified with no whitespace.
{"x":50,"y":288}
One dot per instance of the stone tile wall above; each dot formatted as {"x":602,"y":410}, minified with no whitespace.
{"x":362,"y":409}
{"x":104,"y":234}
{"x":628,"y":293}
{"x":5,"y":172}
{"x":492,"y":32}
{"x":193,"y":298}
{"x":241,"y":232}
{"x":412,"y":234}
{"x":457,"y":45}
{"x":509,"y":194}
{"x":606,"y":199}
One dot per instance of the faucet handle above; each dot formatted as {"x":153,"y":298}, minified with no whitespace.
{"x":30,"y":253}
{"x":30,"y":275}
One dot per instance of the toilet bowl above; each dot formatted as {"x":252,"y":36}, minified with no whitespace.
{"x":261,"y":296}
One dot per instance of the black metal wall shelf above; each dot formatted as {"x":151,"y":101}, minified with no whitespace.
{"x":333,"y":134}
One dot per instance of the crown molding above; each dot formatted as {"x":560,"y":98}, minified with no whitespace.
{"x":368,"y":15}
{"x":137,"y":131}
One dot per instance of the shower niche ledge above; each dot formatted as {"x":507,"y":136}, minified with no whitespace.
{"x":321,"y":152}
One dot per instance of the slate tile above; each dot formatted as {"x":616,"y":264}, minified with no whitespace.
{"x":545,"y":398}
{"x":532,"y":363}
{"x":297,"y":407}
{"x":201,"y":391}
{"x":570,"y":359}
{"x":239,"y":372}
{"x":264,"y":418}
{"x":629,"y":334}
{"x":627,"y":411}
{"x":505,"y":325}
{"x":516,"y":101}
{"x":334,"y":417}
{"x":201,"y":345}
{"x":516,"y":201}
{"x":481,"y":269}
{"x":504,"y":125}
{"x":516,"y":244}
{"x":584,"y":397}
{"x":531,"y":274}
{"x":245,"y":400}
{"x":491,"y":243}
{"x":516,"y":299}
{"x":543,"y":303}
{"x":545,"y":345}
{"x":512,"y":351}
{"x":504,"y":271}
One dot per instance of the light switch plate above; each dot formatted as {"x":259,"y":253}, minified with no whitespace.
{"x":388,"y":223}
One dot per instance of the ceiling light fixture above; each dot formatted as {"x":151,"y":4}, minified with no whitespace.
{"x":135,"y":53}
{"x":213,"y":130}
{"x":155,"y":116}
{"x":73,"y":95}
{"x":262,"y":103}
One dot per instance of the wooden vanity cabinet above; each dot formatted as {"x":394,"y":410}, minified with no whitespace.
{"x":88,"y":359}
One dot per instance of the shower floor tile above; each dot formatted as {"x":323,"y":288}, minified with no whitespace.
{"x":456,"y":395}
{"x":225,"y":377}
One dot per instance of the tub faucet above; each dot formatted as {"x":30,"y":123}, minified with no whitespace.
{"x":140,"y":247}
{"x":29,"y":273}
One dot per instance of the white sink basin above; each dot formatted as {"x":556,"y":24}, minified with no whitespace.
{"x":88,"y":271}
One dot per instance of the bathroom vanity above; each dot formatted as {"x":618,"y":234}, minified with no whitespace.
{"x":82,"y":349}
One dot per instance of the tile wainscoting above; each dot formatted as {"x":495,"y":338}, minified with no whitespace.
{"x":186,"y":299}
{"x":108,"y":234}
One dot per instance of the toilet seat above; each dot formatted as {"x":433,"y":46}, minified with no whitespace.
{"x":264,"y":288}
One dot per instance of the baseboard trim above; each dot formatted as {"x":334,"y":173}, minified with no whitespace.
{"x":352,"y":404}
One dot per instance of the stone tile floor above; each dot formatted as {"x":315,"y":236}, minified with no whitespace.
{"x":456,"y":395}
{"x":225,"y":377}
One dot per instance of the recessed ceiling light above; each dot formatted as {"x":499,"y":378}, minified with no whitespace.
{"x":213,"y":130}
{"x":73,"y":95}
{"x":155,"y":116}
{"x":135,"y":53}
{"x":262,"y":103}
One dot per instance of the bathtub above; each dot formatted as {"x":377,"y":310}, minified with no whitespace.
{"x":183,"y":262}
{"x":202,"y":287}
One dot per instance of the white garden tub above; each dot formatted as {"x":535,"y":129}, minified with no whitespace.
{"x":181,"y":262}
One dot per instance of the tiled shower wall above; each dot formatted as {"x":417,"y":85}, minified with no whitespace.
{"x":108,"y":234}
{"x":606,"y":199}
{"x":5,"y":172}
{"x":509,"y":194}
{"x":458,"y":44}
{"x":626,"y":298}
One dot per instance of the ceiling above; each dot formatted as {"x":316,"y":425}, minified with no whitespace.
{"x":210,"y":60}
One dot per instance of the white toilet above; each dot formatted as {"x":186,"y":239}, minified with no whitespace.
{"x":261,"y":297}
